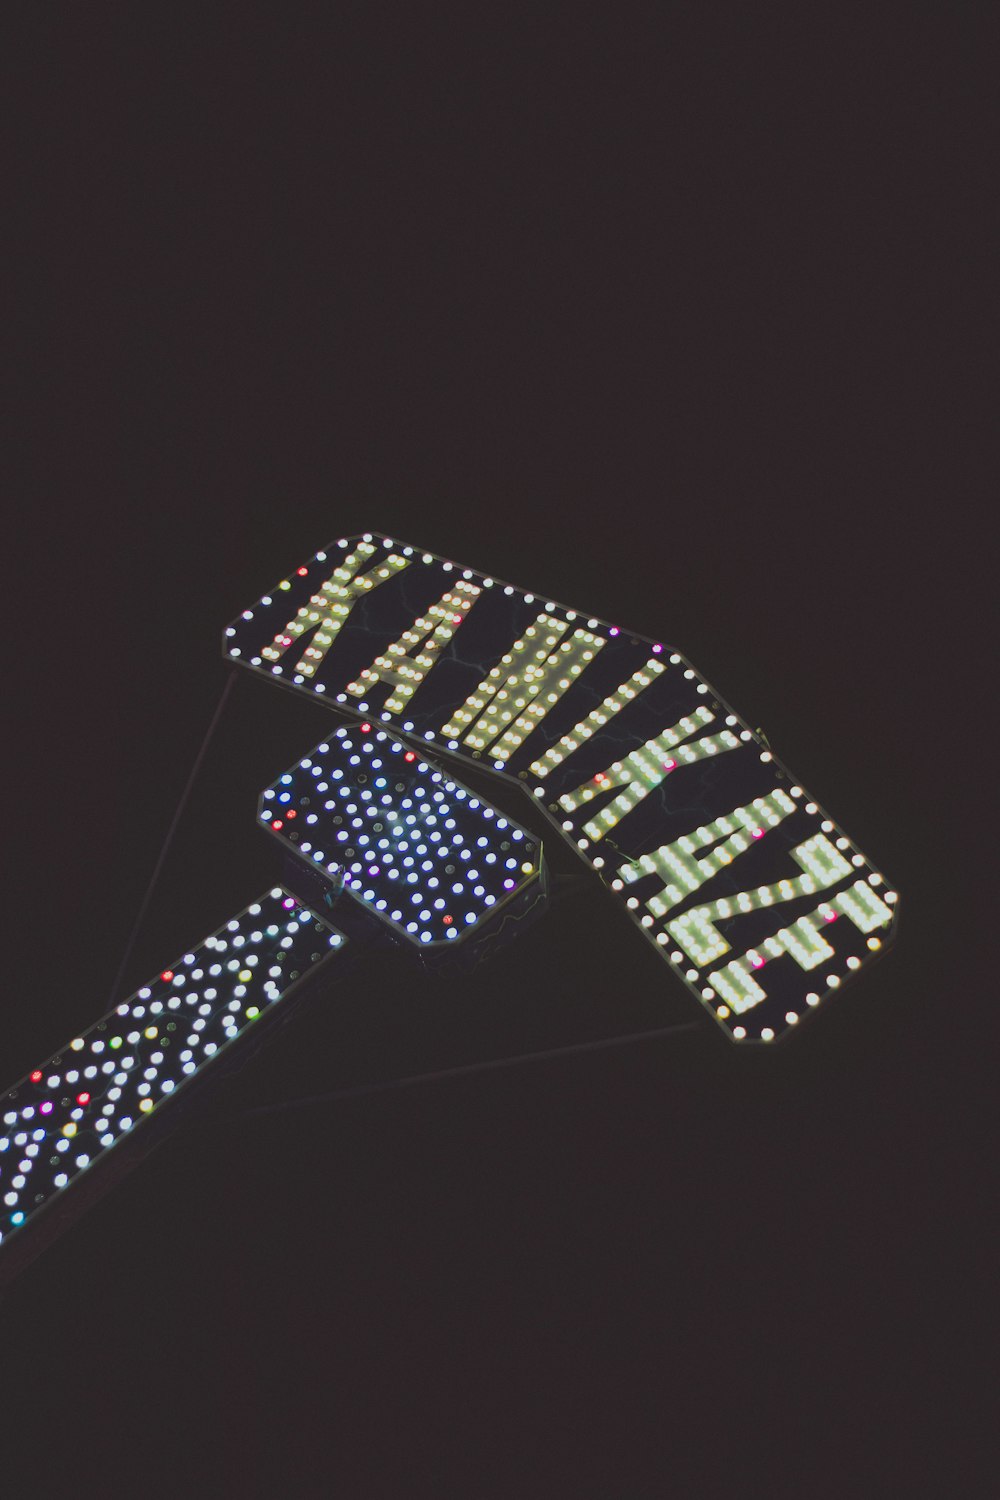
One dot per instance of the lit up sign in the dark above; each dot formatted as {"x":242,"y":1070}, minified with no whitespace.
{"x":745,"y":886}
{"x":749,"y":890}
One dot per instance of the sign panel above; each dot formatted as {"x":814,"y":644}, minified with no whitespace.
{"x":420,"y":851}
{"x":748,"y":890}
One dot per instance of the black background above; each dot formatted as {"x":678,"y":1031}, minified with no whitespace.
{"x":678,"y":317}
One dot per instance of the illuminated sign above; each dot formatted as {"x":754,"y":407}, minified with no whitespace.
{"x":748,"y":889}
{"x":744,"y":885}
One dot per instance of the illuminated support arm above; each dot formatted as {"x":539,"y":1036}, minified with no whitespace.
{"x":68,"y":1115}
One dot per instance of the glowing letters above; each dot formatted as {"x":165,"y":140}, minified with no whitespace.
{"x":676,"y":864}
{"x":328,"y":609}
{"x":596,"y":719}
{"x":803,"y":941}
{"x":426,"y":638}
{"x":521,"y":689}
{"x":645,"y":768}
{"x":701,"y":940}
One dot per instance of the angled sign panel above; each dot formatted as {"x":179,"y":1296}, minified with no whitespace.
{"x":421,"y":853}
{"x":747,"y":889}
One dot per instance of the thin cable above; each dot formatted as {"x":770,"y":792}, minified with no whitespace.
{"x":170,"y":835}
{"x":415,"y":1079}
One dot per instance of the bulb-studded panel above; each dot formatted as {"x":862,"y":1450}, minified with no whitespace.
{"x":421,"y":851}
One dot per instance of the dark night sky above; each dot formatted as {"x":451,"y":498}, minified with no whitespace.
{"x":678,"y":319}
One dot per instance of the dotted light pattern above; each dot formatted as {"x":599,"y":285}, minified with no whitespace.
{"x":701,"y":940}
{"x":645,"y":768}
{"x":425,"y":638}
{"x":329,"y":607}
{"x":517,"y":697}
{"x":617,"y":695}
{"x":677,"y":864}
{"x":75,"y":1107}
{"x":596,"y":719}
{"x":417,"y":848}
{"x":803,"y":940}
{"x":522,"y":688}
